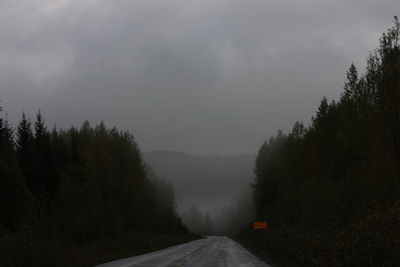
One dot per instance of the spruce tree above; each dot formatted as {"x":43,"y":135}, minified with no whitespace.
{"x":24,"y":148}
{"x":44,"y":163}
{"x":16,"y":206}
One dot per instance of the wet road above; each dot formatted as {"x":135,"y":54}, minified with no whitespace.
{"x":213,"y":251}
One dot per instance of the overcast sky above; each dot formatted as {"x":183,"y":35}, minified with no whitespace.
{"x":204,"y":77}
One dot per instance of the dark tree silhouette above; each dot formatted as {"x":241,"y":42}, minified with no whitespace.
{"x":326,"y":183}
{"x":83,"y":187}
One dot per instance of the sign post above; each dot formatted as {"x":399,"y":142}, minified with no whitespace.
{"x":260,"y":225}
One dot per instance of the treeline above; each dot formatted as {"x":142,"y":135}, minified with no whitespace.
{"x":229,"y":220}
{"x":198,"y":221}
{"x":330,"y":191}
{"x":78,"y":197}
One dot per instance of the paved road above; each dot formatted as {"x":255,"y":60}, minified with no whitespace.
{"x":213,"y":251}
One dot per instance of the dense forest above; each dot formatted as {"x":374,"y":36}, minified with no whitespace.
{"x":78,"y":197}
{"x":331,"y":191}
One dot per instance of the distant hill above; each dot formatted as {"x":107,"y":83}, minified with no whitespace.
{"x":210,"y":182}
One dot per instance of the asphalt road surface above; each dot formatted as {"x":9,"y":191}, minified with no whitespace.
{"x":213,"y":251}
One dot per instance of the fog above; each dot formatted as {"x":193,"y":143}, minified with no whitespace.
{"x":213,"y":186}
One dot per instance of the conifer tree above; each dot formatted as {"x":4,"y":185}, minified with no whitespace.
{"x":16,"y":207}
{"x":24,"y":148}
{"x":351,"y":84}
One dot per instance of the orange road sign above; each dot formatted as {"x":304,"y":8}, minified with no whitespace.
{"x":260,"y":225}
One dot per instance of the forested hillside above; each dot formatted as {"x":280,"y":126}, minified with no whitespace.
{"x":211,"y":182}
{"x":78,"y":197}
{"x":330,"y":191}
{"x":213,"y":193}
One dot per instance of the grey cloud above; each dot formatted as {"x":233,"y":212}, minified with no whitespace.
{"x":197,"y":76}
